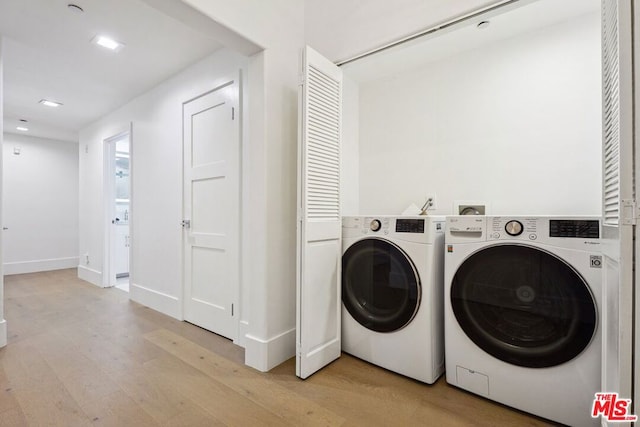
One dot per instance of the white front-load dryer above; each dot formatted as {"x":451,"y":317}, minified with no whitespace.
{"x":392,"y":284}
{"x":522,"y":303}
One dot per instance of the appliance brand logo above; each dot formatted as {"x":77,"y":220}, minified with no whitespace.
{"x":612,"y":408}
{"x":596,"y":261}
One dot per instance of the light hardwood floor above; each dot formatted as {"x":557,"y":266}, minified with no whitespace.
{"x":80,"y":355}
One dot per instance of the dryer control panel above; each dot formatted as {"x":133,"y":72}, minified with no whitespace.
{"x":425,"y":229}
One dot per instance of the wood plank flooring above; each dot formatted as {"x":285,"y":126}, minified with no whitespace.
{"x":79,"y":355}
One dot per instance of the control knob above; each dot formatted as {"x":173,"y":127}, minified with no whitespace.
{"x":375,"y":225}
{"x":514,"y":228}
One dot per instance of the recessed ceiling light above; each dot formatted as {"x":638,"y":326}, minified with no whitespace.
{"x":107,"y":43}
{"x":22,"y":128}
{"x":49,"y":103}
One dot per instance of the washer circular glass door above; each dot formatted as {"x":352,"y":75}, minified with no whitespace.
{"x":380,"y":285}
{"x":523,"y":305}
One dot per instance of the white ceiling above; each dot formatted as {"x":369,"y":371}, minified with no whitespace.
{"x":47,"y":53}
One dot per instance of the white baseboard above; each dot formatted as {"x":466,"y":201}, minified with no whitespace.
{"x":3,"y":333}
{"x":164,"y":303}
{"x":34,"y":266}
{"x":243,"y":329}
{"x":89,"y":275}
{"x":265,"y":355}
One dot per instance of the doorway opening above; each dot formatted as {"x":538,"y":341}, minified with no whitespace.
{"x":118,"y":210}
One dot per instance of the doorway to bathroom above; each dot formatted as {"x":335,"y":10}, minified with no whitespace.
{"x":118,"y":194}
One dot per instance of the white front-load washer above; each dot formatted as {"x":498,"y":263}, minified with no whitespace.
{"x":522,"y":301}
{"x":392,"y":284}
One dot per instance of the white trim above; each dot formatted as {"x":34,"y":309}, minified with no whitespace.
{"x":89,"y":275}
{"x":159,"y":301}
{"x":265,"y":355}
{"x":243,"y":331}
{"x":34,"y":266}
{"x":3,"y":333}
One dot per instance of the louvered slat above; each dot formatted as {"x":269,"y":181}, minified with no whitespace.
{"x":323,"y":154}
{"x":611,"y":113}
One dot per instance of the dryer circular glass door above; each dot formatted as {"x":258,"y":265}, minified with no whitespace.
{"x":523,"y":305}
{"x":380,"y":285}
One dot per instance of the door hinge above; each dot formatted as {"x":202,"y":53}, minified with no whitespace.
{"x":186,"y":223}
{"x":231,"y":309}
{"x":629,"y":214}
{"x":233,"y":113}
{"x":301,"y":80}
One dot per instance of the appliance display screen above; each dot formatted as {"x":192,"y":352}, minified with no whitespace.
{"x":410,"y":226}
{"x":581,"y":229}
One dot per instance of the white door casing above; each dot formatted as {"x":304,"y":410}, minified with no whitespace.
{"x":619,"y":214}
{"x":636,"y":144}
{"x":319,"y":247}
{"x":211,"y":208}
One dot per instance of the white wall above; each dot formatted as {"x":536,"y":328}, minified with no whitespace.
{"x":516,"y":123}
{"x":270,"y":255}
{"x":40,"y":204}
{"x":350,"y":155}
{"x":156,"y":186}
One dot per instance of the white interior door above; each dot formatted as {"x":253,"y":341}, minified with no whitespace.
{"x":212,"y":209}
{"x":319,"y":222}
{"x":619,"y":213}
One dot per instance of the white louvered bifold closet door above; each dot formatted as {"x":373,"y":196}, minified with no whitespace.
{"x":616,"y":318}
{"x":319,"y":222}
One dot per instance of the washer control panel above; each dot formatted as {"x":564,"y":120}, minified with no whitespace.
{"x":509,"y":228}
{"x":582,"y":231}
{"x":372,"y":225}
